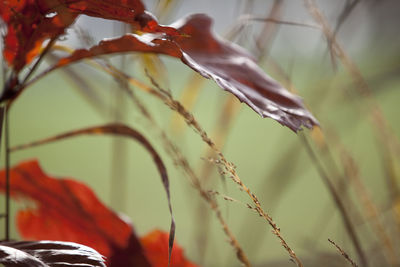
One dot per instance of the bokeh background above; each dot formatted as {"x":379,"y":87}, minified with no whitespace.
{"x":270,"y":159}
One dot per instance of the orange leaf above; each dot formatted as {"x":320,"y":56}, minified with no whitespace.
{"x":31,"y":22}
{"x":155,"y":245}
{"x":67,"y":210}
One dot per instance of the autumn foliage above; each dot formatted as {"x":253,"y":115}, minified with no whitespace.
{"x":355,"y":155}
{"x":68,"y":210}
{"x":190,"y":39}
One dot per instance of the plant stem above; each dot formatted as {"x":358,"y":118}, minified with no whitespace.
{"x":344,"y":254}
{"x":37,"y":63}
{"x":7,"y":159}
{"x":226,"y":165}
{"x":345,"y":216}
{"x":25,"y":81}
{"x":2,"y":112}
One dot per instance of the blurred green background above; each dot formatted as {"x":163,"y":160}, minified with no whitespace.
{"x":270,"y":159}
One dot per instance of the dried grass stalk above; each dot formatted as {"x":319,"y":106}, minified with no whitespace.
{"x":338,"y":201}
{"x":352,"y":172}
{"x":378,"y":120}
{"x":344,"y":254}
{"x":228,"y":167}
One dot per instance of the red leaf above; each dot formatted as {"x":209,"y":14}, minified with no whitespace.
{"x":235,"y":70}
{"x":121,"y":130}
{"x":155,"y":245}
{"x":229,"y":65}
{"x":68,"y":210}
{"x":31,"y":22}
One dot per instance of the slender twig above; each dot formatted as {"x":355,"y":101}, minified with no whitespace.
{"x":383,"y":129}
{"x":118,"y":191}
{"x":2,"y":122}
{"x":268,"y":33}
{"x":26,"y":82}
{"x":338,"y":201}
{"x":3,"y":62}
{"x":344,"y":254}
{"x":2,"y":112}
{"x":244,"y":19}
{"x":348,"y":8}
{"x":2,"y":115}
{"x":378,"y":120}
{"x":39,"y":60}
{"x":352,"y":172}
{"x":229,"y":167}
{"x":278,"y":21}
{"x":7,"y":163}
{"x":230,"y":199}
